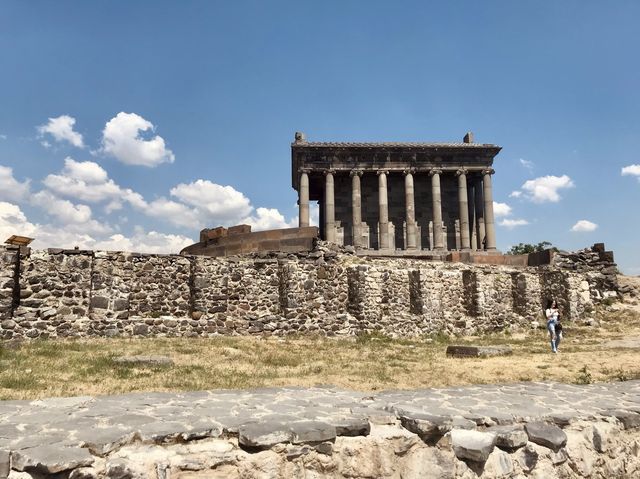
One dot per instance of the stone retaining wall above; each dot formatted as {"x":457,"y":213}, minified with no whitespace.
{"x":60,"y":293}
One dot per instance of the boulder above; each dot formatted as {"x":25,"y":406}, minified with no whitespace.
{"x":50,"y":459}
{"x":457,"y":351}
{"x":509,"y":437}
{"x":472,"y":445}
{"x":264,"y":435}
{"x":547,"y":435}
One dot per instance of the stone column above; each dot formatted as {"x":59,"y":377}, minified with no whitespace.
{"x":303,"y":200}
{"x":479,"y":202}
{"x":383,"y":202}
{"x":356,"y":208}
{"x":489,"y":226}
{"x":437,"y":208}
{"x":329,"y":208}
{"x":471,"y":195}
{"x":464,"y":209}
{"x":411,"y":210}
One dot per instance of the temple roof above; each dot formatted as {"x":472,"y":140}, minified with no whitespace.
{"x":332,"y":144}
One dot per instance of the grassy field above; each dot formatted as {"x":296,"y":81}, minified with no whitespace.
{"x":369,"y":363}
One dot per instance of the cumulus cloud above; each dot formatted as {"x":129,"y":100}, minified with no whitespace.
{"x":74,"y":217}
{"x":515,"y":194}
{"x":10,"y":188}
{"x":216,"y":202}
{"x":88,"y":181}
{"x":513,"y":223}
{"x":584,"y":226}
{"x":121,"y":139}
{"x":545,"y":189}
{"x":501,"y":209}
{"x":61,"y":129}
{"x":631,"y":170}
{"x":13,"y":221}
{"x":269,"y":219}
{"x":150,"y":242}
{"x":176,"y":213}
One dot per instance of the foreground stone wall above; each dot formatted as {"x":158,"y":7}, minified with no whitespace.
{"x":62,"y":293}
{"x":538,"y":430}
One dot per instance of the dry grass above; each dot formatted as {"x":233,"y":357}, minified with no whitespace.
{"x":65,"y":368}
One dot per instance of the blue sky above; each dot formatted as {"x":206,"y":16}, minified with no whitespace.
{"x":135,"y":124}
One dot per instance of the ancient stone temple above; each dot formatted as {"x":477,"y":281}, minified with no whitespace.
{"x":398,"y":196}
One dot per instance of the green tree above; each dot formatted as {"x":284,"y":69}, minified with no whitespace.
{"x":526,"y":248}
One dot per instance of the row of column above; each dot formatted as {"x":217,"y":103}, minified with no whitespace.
{"x":483,"y":209}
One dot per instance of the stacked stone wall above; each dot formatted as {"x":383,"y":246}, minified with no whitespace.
{"x":83,"y":293}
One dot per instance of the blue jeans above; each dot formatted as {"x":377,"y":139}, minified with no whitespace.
{"x":555,"y":337}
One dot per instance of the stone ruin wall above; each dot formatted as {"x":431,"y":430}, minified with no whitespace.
{"x":70,"y":293}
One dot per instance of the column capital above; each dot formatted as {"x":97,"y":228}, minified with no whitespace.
{"x":353,"y":173}
{"x":462,"y":171}
{"x":304,"y":170}
{"x":408,"y":171}
{"x":488,"y":171}
{"x":382,"y":172}
{"x":328,"y":171}
{"x":435,"y":171}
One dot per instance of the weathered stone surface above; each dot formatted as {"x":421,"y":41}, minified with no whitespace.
{"x":312,"y":432}
{"x":84,"y":473}
{"x":428,"y":426}
{"x":351,"y":426}
{"x":50,"y":459}
{"x":102,"y":441}
{"x":472,"y":445}
{"x":509,"y":437}
{"x":477,"y":351}
{"x":547,"y":435}
{"x":629,"y":419}
{"x":196,"y":431}
{"x":5,"y":463}
{"x":264,"y":435}
{"x":71,"y":294}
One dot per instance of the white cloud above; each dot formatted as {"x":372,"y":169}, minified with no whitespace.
{"x":88,"y":181}
{"x":176,"y":213}
{"x":527,"y":164}
{"x":584,"y":226}
{"x":74,"y":218}
{"x":515,"y":194}
{"x":314,"y":214}
{"x":631,"y":170}
{"x":141,"y":242}
{"x":10,"y":188}
{"x":269,"y":219}
{"x":121,"y":139}
{"x":13,"y":221}
{"x":513,"y":223}
{"x":3,"y":137}
{"x":501,"y":209}
{"x":545,"y":189}
{"x":61,"y":128}
{"x":215,"y":202}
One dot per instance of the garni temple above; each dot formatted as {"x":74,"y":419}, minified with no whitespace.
{"x":398,"y":196}
{"x":418,"y":199}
